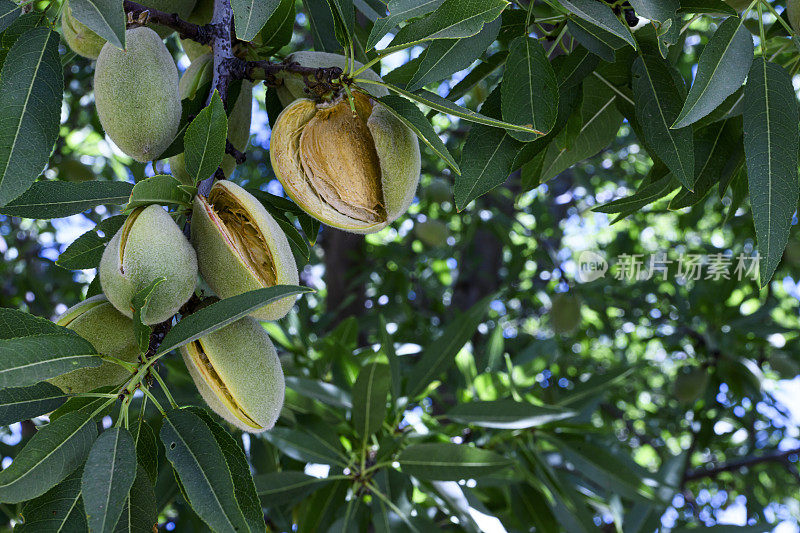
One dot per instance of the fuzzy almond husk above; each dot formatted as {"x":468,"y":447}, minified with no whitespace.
{"x":237,"y":372}
{"x":241,"y":248}
{"x":149,"y":246}
{"x":136,"y":94}
{"x":110,"y":332}
{"x":357,"y":172}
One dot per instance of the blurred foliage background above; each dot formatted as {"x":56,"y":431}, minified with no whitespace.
{"x":729,"y":450}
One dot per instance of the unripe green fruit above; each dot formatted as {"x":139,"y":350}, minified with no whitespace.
{"x":738,"y":5}
{"x":432,"y":232}
{"x":690,"y":384}
{"x":565,"y":314}
{"x":196,"y":76}
{"x":201,"y":14}
{"x":793,"y":12}
{"x":147,"y":247}
{"x":439,"y":191}
{"x":353,"y":171}
{"x":241,"y":248}
{"x":237,"y":372}
{"x":78,"y":36}
{"x":293,"y":86}
{"x":111,"y":333}
{"x":136,"y":94}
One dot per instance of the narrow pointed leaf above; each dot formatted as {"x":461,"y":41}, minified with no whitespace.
{"x":31,"y":85}
{"x":487,"y":158}
{"x":139,"y":515}
{"x":387,"y":346}
{"x":60,"y":509}
{"x":22,"y":403}
{"x":107,"y":477}
{"x":58,"y":199}
{"x":303,"y":446}
{"x":29,"y":360}
{"x":161,"y":189}
{"x":507,"y":414}
{"x":369,"y":398}
{"x":327,"y":393}
{"x":658,"y":102}
{"x":601,"y":15}
{"x":721,"y":70}
{"x":249,"y":16}
{"x":449,"y":462}
{"x":770,"y":145}
{"x":204,"y":141}
{"x":224,"y":312}
{"x":453,"y":19}
{"x":399,"y":11}
{"x":412,"y":117}
{"x":277,"y":488}
{"x":529,"y":89}
{"x":658,"y":10}
{"x":15,"y":323}
{"x":9,"y":11}
{"x":105,"y":17}
{"x":200,"y":465}
{"x":440,"y":354}
{"x":53,"y":453}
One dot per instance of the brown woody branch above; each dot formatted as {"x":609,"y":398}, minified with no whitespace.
{"x":202,"y":34}
{"x":777,"y":456}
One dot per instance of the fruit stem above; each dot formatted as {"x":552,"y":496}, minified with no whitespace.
{"x":131,"y":367}
{"x":187,"y":30}
{"x":152,"y":398}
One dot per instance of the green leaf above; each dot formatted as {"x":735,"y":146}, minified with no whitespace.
{"x":22,"y":403}
{"x":410,"y":115}
{"x":87,"y":250}
{"x":277,"y":32}
{"x":9,"y":11}
{"x":507,"y":414}
{"x":278,"y":488}
{"x":146,"y":447}
{"x":343,"y":21}
{"x":605,"y":467}
{"x":15,"y":323}
{"x":721,"y":70}
{"x":658,"y":10}
{"x":139,"y":515}
{"x":601,"y":15}
{"x":105,"y":17}
{"x":574,"y":67}
{"x":597,"y":40}
{"x":53,"y":453}
{"x":657,"y":184}
{"x":60,"y":509}
{"x":327,"y":393}
{"x":439,"y":355}
{"x":399,"y":11}
{"x":244,"y":488}
{"x":706,"y":6}
{"x":200,"y":464}
{"x":139,"y":304}
{"x":369,"y":398}
{"x":107,"y":477}
{"x":453,"y":19}
{"x":449,"y":462}
{"x":658,"y":102}
{"x":57,"y":199}
{"x":529,"y":89}
{"x":387,"y":346}
{"x":224,"y":312}
{"x":249,"y":16}
{"x":28,"y":360}
{"x":321,"y":22}
{"x":770,"y":146}
{"x":204,"y":142}
{"x":487,"y":158}
{"x":162,"y":189}
{"x":719,"y":153}
{"x":445,"y":57}
{"x":31,"y":85}
{"x":600,"y":121}
{"x":303,"y":446}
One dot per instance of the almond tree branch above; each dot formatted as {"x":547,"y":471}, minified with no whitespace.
{"x":776,"y":456}
{"x":187,"y":30}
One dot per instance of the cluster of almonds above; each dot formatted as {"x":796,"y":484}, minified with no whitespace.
{"x":346,"y":161}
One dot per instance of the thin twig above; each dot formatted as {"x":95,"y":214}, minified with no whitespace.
{"x":201,"y":34}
